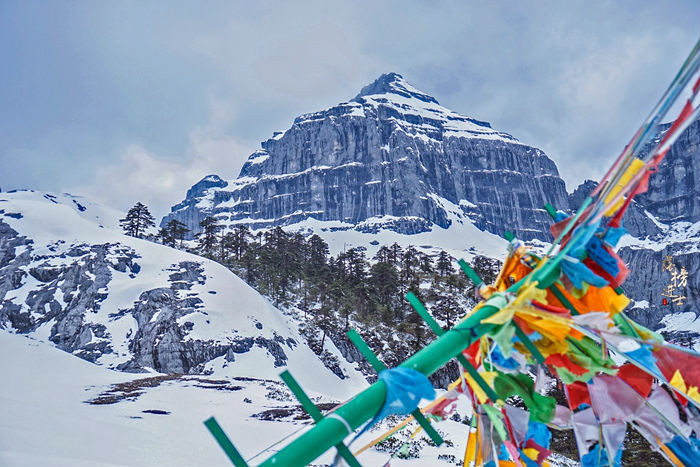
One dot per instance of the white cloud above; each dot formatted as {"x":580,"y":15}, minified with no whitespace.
{"x":573,"y":78}
{"x":160,"y":181}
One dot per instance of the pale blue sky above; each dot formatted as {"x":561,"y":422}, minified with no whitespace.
{"x":125,"y":101}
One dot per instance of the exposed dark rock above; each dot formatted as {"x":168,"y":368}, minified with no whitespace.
{"x":674,"y":191}
{"x":68,"y":291}
{"x":132,"y":390}
{"x":649,"y":281}
{"x":672,"y":199}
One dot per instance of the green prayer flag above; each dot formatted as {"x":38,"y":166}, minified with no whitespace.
{"x":541,"y":407}
{"x":496,"y":418}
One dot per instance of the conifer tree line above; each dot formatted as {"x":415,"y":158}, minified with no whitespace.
{"x":335,"y":293}
{"x":173,"y":233}
{"x":349,"y":290}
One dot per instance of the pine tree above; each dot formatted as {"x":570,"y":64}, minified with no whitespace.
{"x":426,"y":264}
{"x":137,"y":220}
{"x":409,"y":266}
{"x":317,"y":252}
{"x":384,"y":284}
{"x":314,"y":269}
{"x":395,"y":254}
{"x":486,"y":267}
{"x":251,"y":264}
{"x":226,"y":246}
{"x":166,"y":238}
{"x":279,"y":258}
{"x":444,"y":264}
{"x":414,"y":325}
{"x":383,"y":255}
{"x":357,"y":298}
{"x":446,"y":308}
{"x":206,"y":239}
{"x":176,"y":230}
{"x":240,"y":241}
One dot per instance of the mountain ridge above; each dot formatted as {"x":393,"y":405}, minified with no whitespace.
{"x":420,"y":187}
{"x":389,"y":154}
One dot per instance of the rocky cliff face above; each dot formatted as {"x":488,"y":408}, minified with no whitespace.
{"x":674,"y":191}
{"x":391,"y":154}
{"x":651,"y":283}
{"x":664,"y":224}
{"x":69,"y":286}
{"x":664,"y":229}
{"x":393,"y":158}
{"x":665,"y":275}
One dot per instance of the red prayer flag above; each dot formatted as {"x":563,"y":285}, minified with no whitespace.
{"x":638,"y":379}
{"x":669,"y":360}
{"x":471,"y":352}
{"x":542,"y":452}
{"x":563,"y":361}
{"x":578,"y":394}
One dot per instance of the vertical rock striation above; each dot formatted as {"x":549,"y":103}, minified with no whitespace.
{"x":391,"y":153}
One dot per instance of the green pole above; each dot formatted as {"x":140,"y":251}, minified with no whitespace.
{"x":551,"y":210}
{"x":365,"y":405}
{"x":329,"y":432}
{"x":225,"y":443}
{"x":471,"y":273}
{"x":418,"y":306}
{"x":379,"y":366}
{"x":316,"y":414}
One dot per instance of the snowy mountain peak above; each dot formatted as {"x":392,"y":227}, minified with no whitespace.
{"x":202,"y":186}
{"x":394,"y":83}
{"x":391,"y":159}
{"x":414,"y":106}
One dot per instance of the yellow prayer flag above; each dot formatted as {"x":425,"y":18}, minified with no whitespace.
{"x":500,"y":317}
{"x":488,"y":376}
{"x":634,"y":167}
{"x":694,"y":394}
{"x":531,"y":453}
{"x":619,"y":303}
{"x":678,"y":382}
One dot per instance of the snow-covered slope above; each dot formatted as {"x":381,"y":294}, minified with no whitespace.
{"x":461,"y":239}
{"x":69,"y":278}
{"x":60,"y":411}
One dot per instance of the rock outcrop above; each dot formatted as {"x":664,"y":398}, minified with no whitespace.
{"x":664,"y":224}
{"x":674,"y":191}
{"x":70,"y":286}
{"x":130,"y":304}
